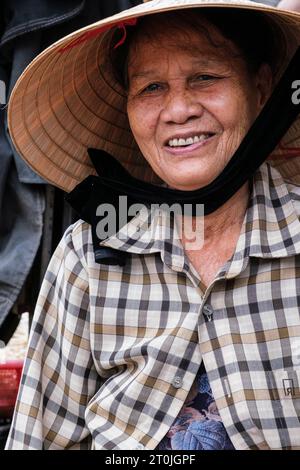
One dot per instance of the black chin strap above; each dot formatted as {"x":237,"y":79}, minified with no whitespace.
{"x":113,"y":180}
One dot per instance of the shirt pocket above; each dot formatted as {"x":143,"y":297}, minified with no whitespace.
{"x":282,"y":427}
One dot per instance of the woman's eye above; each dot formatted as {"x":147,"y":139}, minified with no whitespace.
{"x":152,"y":88}
{"x":204,"y":78}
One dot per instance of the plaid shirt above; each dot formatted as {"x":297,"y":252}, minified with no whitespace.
{"x":114,"y":350}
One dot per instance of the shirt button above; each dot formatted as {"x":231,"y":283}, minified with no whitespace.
{"x":139,"y":447}
{"x":208,"y":311}
{"x":177,"y":382}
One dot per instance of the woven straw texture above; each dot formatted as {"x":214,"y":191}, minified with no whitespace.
{"x":67,"y":100}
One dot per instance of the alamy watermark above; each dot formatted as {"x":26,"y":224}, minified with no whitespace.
{"x":156,"y":221}
{"x":2,"y":92}
{"x":296,"y":94}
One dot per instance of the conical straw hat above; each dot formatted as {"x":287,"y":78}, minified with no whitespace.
{"x":67,"y":100}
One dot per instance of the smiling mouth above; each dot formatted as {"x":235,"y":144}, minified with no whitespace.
{"x":189,"y":141}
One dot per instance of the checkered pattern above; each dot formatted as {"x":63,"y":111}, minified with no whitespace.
{"x":114,"y":351}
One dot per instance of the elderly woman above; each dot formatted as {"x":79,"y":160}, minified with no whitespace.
{"x":142,"y":339}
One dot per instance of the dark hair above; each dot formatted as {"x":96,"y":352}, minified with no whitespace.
{"x":256,"y":36}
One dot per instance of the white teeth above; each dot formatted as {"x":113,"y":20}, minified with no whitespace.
{"x":189,"y":141}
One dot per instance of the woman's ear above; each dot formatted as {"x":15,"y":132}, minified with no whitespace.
{"x":264,"y":84}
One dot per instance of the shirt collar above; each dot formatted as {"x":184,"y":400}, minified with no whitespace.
{"x":151,"y":231}
{"x":271,"y":227}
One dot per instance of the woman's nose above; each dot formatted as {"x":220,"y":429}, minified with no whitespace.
{"x":180,"y":107}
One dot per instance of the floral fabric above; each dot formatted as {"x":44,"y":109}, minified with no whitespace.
{"x":199,"y":425}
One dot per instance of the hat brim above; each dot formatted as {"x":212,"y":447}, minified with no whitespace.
{"x":67,"y":100}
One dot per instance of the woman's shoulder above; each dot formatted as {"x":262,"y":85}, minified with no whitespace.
{"x":77,"y":241}
{"x":294,"y":193}
{"x":79,"y":232}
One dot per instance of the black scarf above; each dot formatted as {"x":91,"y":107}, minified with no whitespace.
{"x":113,"y":180}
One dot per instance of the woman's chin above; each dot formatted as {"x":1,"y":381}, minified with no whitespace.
{"x":188,"y":176}
{"x":186,"y":182}
{"x":186,"y":186}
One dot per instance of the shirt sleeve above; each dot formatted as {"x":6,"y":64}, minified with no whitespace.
{"x":59,"y":376}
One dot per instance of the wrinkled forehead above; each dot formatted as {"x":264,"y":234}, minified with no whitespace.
{"x":163,"y":37}
{"x":176,"y":31}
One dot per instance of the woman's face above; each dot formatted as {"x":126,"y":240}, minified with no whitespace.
{"x":190,"y":103}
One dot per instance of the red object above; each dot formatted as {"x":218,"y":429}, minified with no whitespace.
{"x":10,"y":375}
{"x":95,"y":32}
